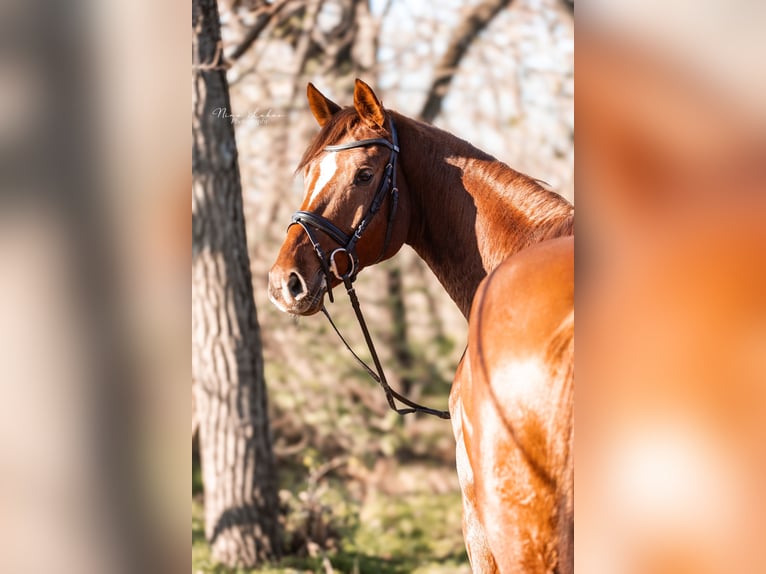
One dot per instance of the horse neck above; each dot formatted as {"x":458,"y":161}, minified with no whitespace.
{"x":469,"y":211}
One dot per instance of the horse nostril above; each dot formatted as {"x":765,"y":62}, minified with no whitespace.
{"x":295,"y":285}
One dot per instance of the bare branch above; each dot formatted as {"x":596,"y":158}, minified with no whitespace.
{"x":261,"y":21}
{"x":467,"y":31}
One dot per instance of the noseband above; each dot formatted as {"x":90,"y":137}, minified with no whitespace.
{"x":311,"y":222}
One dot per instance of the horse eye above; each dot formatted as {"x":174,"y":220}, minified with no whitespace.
{"x":363,"y":176}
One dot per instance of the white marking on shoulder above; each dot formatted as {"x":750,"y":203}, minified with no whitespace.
{"x":523,"y":382}
{"x":519,"y":387}
{"x":522,"y":386}
{"x":327,"y":168}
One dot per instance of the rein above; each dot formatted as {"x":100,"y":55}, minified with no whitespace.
{"x":311,"y":221}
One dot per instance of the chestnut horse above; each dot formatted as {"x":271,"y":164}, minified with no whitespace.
{"x":503,"y":248}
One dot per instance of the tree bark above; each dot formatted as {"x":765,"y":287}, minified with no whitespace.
{"x":241,"y":505}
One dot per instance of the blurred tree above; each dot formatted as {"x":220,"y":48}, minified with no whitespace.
{"x":241,"y":504}
{"x":476,"y":20}
{"x":399,"y":339}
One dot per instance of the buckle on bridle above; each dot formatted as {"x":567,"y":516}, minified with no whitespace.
{"x":334,"y":265}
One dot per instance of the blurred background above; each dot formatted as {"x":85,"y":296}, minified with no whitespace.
{"x":671,"y":284}
{"x":364,"y":489}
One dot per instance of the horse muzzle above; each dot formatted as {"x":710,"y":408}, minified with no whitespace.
{"x":292,"y":293}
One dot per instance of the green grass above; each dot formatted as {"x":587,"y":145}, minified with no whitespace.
{"x":412,"y":533}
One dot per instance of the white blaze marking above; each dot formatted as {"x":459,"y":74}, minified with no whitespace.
{"x":327,"y":168}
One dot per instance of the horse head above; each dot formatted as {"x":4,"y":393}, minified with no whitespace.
{"x":355,"y":211}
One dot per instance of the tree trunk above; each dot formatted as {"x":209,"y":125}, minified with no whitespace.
{"x":241,"y":505}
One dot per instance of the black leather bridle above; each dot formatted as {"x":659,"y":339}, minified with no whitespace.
{"x":308,"y":220}
{"x":311,"y":222}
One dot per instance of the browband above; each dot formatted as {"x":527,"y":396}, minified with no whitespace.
{"x":363,"y":143}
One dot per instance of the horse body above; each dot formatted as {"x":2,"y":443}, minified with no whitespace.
{"x":512,"y":406}
{"x":480,"y":226}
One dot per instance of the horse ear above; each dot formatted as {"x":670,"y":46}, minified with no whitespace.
{"x":367,"y":105}
{"x":323,"y":108}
